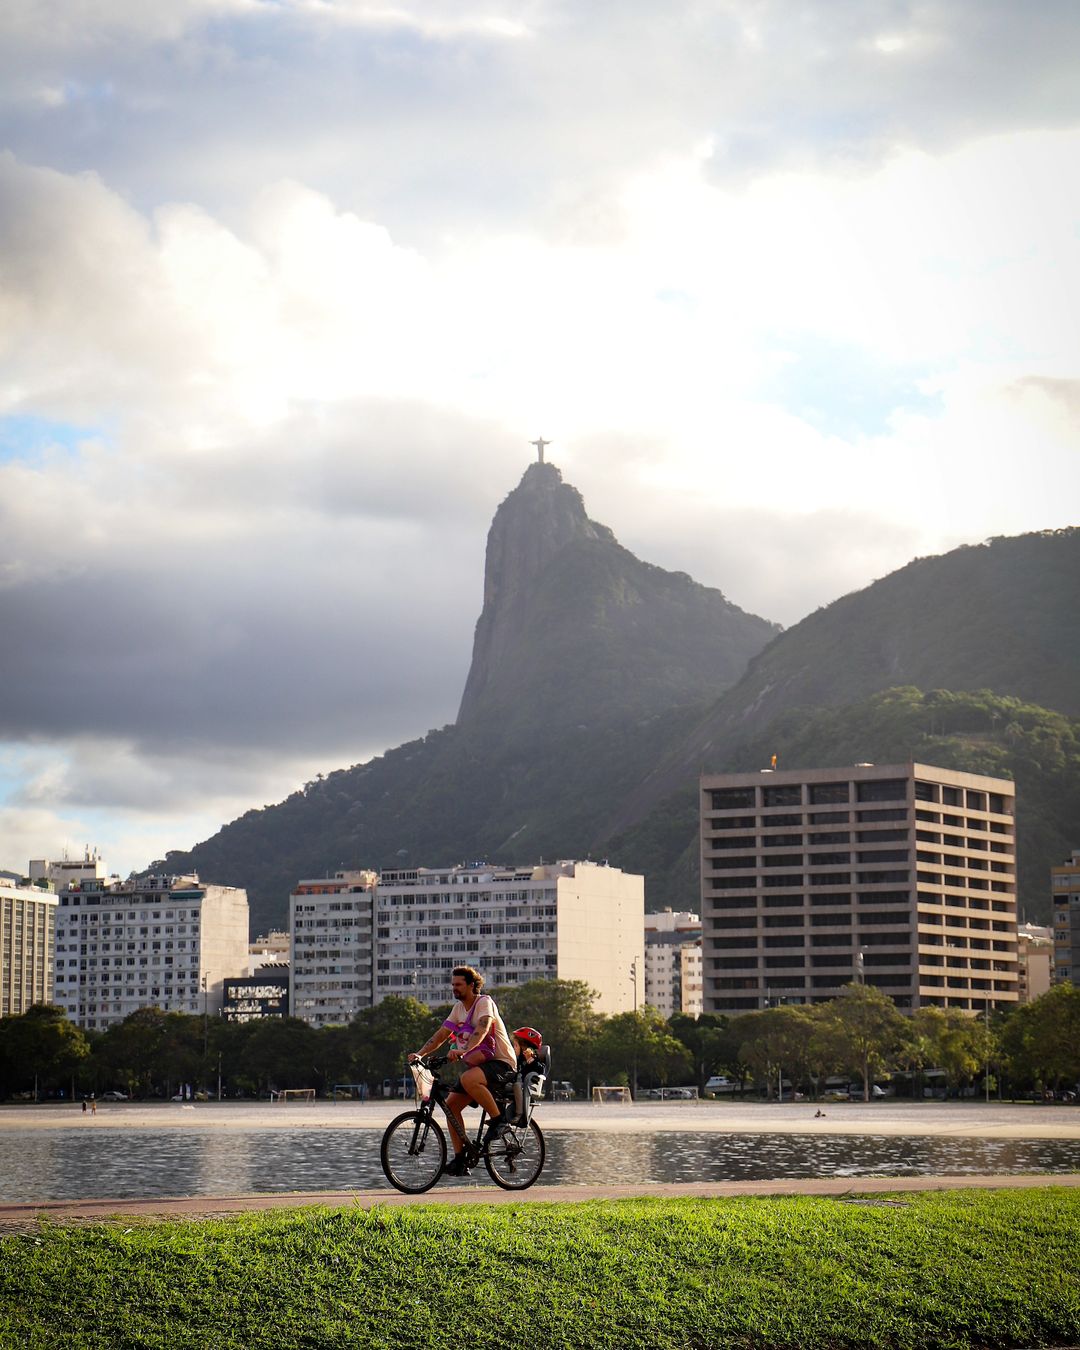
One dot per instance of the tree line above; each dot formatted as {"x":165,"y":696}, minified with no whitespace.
{"x":1034,"y":1047}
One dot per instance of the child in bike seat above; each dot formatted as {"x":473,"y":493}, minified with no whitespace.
{"x":531,"y":1070}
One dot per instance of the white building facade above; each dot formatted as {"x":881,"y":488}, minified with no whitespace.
{"x":330,"y":956}
{"x":359,"y":937}
{"x":673,"y":981}
{"x":169,"y":942}
{"x":565,"y":920}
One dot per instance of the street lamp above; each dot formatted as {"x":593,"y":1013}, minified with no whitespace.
{"x":634,"y":981}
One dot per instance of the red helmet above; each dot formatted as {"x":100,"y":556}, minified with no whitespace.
{"x":531,"y":1036}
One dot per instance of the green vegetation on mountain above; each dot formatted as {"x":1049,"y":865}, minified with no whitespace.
{"x":1000,"y":616}
{"x":976,"y":732}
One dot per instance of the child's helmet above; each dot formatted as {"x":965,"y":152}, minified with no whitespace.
{"x":531,"y":1036}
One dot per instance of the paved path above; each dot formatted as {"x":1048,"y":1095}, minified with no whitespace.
{"x":25,"y":1217}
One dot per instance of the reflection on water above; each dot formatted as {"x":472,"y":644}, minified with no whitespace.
{"x":128,"y":1164}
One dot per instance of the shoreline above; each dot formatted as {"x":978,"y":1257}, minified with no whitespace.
{"x":974,"y":1120}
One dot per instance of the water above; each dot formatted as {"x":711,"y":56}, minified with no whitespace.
{"x":74,"y":1164}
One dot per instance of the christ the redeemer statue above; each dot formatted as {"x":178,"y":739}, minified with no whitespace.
{"x":540,"y":448}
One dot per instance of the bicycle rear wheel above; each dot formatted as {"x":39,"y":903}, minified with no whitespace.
{"x":517,"y":1159}
{"x":413,"y":1152}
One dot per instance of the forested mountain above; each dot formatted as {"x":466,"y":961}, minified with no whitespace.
{"x":601,"y":686}
{"x":1001,"y":616}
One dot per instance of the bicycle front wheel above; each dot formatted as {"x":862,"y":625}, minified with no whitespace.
{"x":413,"y":1152}
{"x":517,"y":1159}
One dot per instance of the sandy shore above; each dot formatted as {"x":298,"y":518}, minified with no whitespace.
{"x":939,"y":1119}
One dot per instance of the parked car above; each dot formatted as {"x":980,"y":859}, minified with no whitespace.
{"x":562,"y":1091}
{"x":114,"y":1096}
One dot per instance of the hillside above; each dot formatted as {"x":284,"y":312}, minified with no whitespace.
{"x":1001,"y":616}
{"x":978,"y":732}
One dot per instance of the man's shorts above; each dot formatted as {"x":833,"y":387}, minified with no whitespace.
{"x":499,"y":1074}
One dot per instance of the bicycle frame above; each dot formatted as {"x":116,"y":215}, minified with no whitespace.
{"x":440,"y":1093}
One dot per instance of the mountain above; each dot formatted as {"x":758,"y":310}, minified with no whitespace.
{"x":1001,"y":616}
{"x":601,"y":686}
{"x":588,"y":663}
{"x":575,"y":630}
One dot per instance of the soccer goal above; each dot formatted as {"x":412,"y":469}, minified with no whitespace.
{"x":600,"y":1095}
{"x":293,"y":1095}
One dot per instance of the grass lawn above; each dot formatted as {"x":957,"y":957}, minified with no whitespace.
{"x":964,"y":1268}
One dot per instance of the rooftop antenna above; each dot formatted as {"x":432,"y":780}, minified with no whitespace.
{"x":540,"y":444}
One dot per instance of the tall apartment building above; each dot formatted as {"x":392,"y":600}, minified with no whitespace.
{"x":1065,"y":889}
{"x":27,"y":937}
{"x":903,"y":875}
{"x":165,"y":941}
{"x":566,"y":920}
{"x":673,"y":962}
{"x":330,"y":959}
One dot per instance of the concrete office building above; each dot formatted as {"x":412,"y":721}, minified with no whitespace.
{"x":673,"y":962}
{"x":330,"y":958}
{"x":900,"y":874}
{"x":27,"y":938}
{"x":1065,"y":893}
{"x":564,"y":920}
{"x":165,"y":941}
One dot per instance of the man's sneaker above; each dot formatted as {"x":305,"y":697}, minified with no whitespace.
{"x":457,"y":1167}
{"x":495,"y":1130}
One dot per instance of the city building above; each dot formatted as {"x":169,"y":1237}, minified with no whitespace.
{"x":902,"y":875}
{"x":673,"y":962}
{"x":165,"y":941}
{"x":330,"y":957}
{"x":269,"y":947}
{"x":566,"y":920}
{"x":264,"y":994}
{"x":1035,"y":961}
{"x":1065,"y":893}
{"x":27,"y":937}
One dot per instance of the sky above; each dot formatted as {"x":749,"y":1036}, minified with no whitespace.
{"x":288,"y":286}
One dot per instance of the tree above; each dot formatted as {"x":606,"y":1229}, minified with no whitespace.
{"x":383,"y":1035}
{"x":562,"y":1011}
{"x":775,"y":1040}
{"x":708,"y":1040}
{"x":633,"y":1043}
{"x":954,"y":1041}
{"x":41,"y":1047}
{"x":864,"y":1031}
{"x":1041,"y":1040}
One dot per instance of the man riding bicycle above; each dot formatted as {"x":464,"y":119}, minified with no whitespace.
{"x":481,"y":1042}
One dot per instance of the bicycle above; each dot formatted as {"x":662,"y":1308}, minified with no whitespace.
{"x":413,"y":1152}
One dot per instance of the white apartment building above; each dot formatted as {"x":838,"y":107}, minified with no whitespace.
{"x":358,"y":937}
{"x":27,"y":936}
{"x":169,"y":942}
{"x":673,"y":979}
{"x":565,"y":920}
{"x":901,"y":875}
{"x":330,"y":956}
